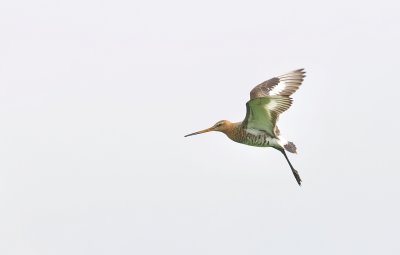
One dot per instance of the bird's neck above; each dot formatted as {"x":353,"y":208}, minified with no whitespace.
{"x":234,"y":131}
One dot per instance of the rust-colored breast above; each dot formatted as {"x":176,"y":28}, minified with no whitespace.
{"x":236,"y":132}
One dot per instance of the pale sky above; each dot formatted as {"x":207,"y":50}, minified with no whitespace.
{"x":96,"y":96}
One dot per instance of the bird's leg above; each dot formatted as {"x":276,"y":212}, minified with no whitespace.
{"x":295,"y":173}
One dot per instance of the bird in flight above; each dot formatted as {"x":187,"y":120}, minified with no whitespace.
{"x":267,"y":101}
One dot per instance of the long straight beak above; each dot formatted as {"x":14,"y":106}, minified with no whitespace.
{"x":200,"y":132}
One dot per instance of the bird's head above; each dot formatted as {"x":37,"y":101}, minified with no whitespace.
{"x":221,"y":126}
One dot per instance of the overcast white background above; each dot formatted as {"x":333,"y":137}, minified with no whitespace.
{"x":95,"y":97}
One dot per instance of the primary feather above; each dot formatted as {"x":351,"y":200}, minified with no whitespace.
{"x":283,"y":85}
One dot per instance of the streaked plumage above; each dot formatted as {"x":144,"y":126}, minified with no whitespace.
{"x":267,"y":101}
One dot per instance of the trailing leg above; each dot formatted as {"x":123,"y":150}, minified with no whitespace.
{"x":294,"y":171}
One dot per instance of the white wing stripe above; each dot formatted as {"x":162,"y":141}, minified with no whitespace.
{"x":277,"y":89}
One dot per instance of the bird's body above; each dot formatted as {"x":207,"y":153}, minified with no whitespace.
{"x":237,"y":132}
{"x":267,"y":101}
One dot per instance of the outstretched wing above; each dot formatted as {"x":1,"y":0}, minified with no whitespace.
{"x":271,"y":98}
{"x":263,"y":112}
{"x":284,"y":85}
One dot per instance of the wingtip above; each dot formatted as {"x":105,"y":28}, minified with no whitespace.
{"x":301,"y":70}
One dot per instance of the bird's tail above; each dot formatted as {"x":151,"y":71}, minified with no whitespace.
{"x":290,"y":147}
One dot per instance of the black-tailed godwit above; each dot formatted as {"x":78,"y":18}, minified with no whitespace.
{"x":267,"y":101}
